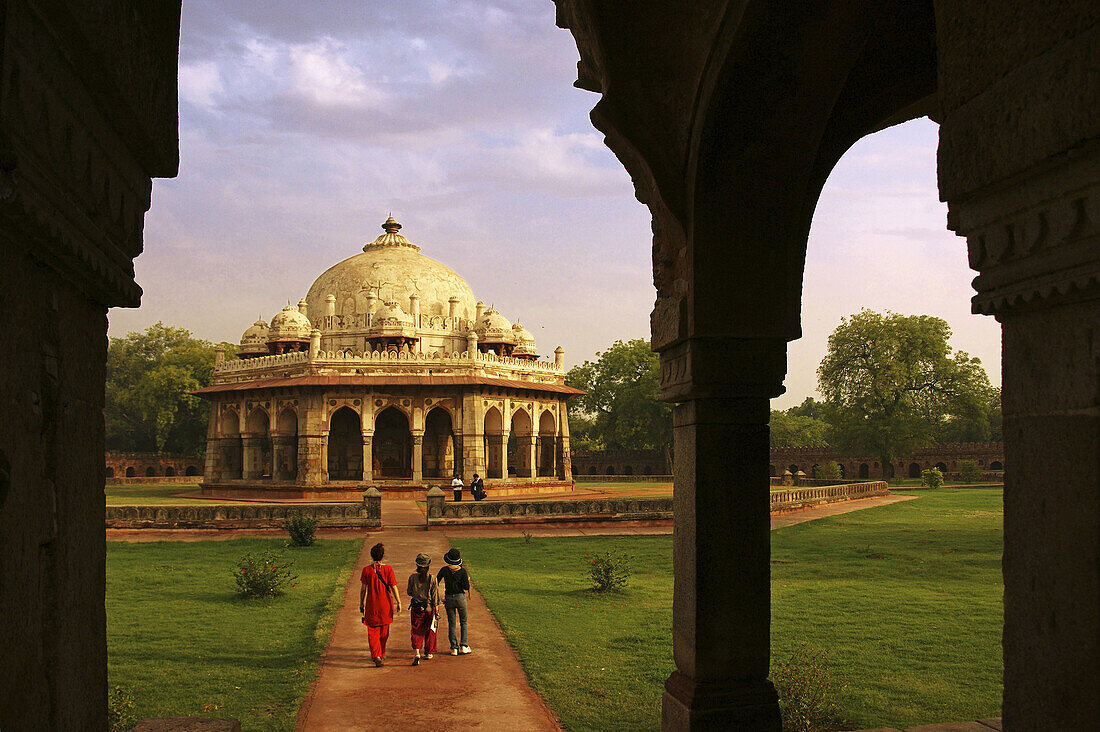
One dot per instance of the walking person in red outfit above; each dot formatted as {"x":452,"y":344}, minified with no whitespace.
{"x":378,"y":601}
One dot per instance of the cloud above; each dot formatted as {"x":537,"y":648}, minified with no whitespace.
{"x":200,"y":83}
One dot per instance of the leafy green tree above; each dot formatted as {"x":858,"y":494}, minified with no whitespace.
{"x":790,"y":429}
{"x":150,"y":375}
{"x":891,"y":385}
{"x":621,"y":408}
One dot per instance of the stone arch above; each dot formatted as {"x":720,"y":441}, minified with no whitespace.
{"x":649,"y":470}
{"x":285,"y":445}
{"x":628,"y":470}
{"x":996,"y":465}
{"x":864,"y":471}
{"x":610,"y":469}
{"x":942,"y":466}
{"x":256,"y":443}
{"x":914,"y":470}
{"x":391,"y":446}
{"x":191,"y":470}
{"x":494,"y":447}
{"x":888,"y":471}
{"x":345,"y":445}
{"x":130,"y":472}
{"x":110,"y":472}
{"x":150,"y":472}
{"x":522,"y":441}
{"x":169,"y":472}
{"x":438,"y":444}
{"x":546,"y":444}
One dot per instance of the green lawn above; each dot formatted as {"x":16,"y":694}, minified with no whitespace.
{"x":144,"y":494}
{"x":183,"y":642}
{"x":905,"y":600}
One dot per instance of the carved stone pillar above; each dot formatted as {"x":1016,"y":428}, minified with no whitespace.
{"x":720,"y":430}
{"x":527,"y":447}
{"x":284,"y":457}
{"x":252,"y":468}
{"x":368,"y":457}
{"x":457,"y":468}
{"x":212,"y":465}
{"x":418,"y":458}
{"x":312,"y":460}
{"x":503,"y":441}
{"x":1037,"y":246}
{"x":232,"y":462}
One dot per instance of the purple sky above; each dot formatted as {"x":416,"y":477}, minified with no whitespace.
{"x":303,"y":125}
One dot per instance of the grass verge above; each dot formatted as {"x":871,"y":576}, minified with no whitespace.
{"x":185,"y":644}
{"x":137,"y":494}
{"x":905,"y":600}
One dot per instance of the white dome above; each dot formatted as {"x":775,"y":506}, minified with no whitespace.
{"x":494,"y":328}
{"x":254,"y":339}
{"x":289,"y":325}
{"x":391,"y":268}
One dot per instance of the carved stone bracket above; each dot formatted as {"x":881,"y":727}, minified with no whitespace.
{"x":720,"y":368}
{"x":1032,"y":247}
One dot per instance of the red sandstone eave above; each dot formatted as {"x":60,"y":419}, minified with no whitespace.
{"x":364,"y":380}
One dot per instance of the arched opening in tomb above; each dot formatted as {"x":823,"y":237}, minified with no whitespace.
{"x":649,"y":470}
{"x":130,"y":472}
{"x":864,"y":470}
{"x":169,"y":472}
{"x":191,"y":470}
{"x":942,"y":467}
{"x":914,"y":470}
{"x":230,"y":445}
{"x":628,"y":470}
{"x":610,"y":469}
{"x":257,"y":445}
{"x":391,"y":448}
{"x":285,"y":452}
{"x":888,"y":471}
{"x":521,"y":445}
{"x":438,"y":445}
{"x":110,"y":472}
{"x":345,"y":445}
{"x":996,"y":465}
{"x":494,"y":444}
{"x":547,"y":444}
{"x":150,"y":472}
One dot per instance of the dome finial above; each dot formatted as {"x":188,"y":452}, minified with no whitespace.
{"x":391,"y":226}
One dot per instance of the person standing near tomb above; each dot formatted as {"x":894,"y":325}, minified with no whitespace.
{"x":423,"y":591}
{"x":477,"y":488}
{"x":456,"y":597}
{"x":378,"y":601}
{"x":456,"y":486}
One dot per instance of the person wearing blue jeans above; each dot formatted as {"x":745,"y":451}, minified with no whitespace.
{"x":456,"y":595}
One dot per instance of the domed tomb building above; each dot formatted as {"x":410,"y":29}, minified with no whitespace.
{"x":389,"y":373}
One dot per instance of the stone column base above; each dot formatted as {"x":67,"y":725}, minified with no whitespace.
{"x":689,"y":705}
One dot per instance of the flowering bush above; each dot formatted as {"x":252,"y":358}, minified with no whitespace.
{"x":264,"y":575}
{"x":807,"y":692}
{"x":608,"y":571}
{"x":120,"y":709}
{"x":301,"y":529}
{"x":932,"y":478}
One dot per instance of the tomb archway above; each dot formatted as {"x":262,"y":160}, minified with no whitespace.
{"x":391,"y":448}
{"x":345,"y":445}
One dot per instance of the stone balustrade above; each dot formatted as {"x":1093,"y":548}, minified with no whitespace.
{"x":262,"y":362}
{"x":805,"y":496}
{"x":367,"y":514}
{"x":441,"y":512}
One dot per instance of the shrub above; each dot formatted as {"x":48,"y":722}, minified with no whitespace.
{"x":608,"y":571}
{"x":808,"y":692}
{"x":121,"y":716}
{"x":828,"y":471}
{"x":263,"y":575}
{"x":527,"y":536}
{"x":932,"y":478}
{"x":301,"y":529}
{"x":969,"y":472}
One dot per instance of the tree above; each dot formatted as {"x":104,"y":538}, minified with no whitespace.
{"x":790,"y":429}
{"x":621,"y":407}
{"x":891,"y":384}
{"x":148,"y":405}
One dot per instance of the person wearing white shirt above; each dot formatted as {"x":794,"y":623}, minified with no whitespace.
{"x":456,"y":486}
